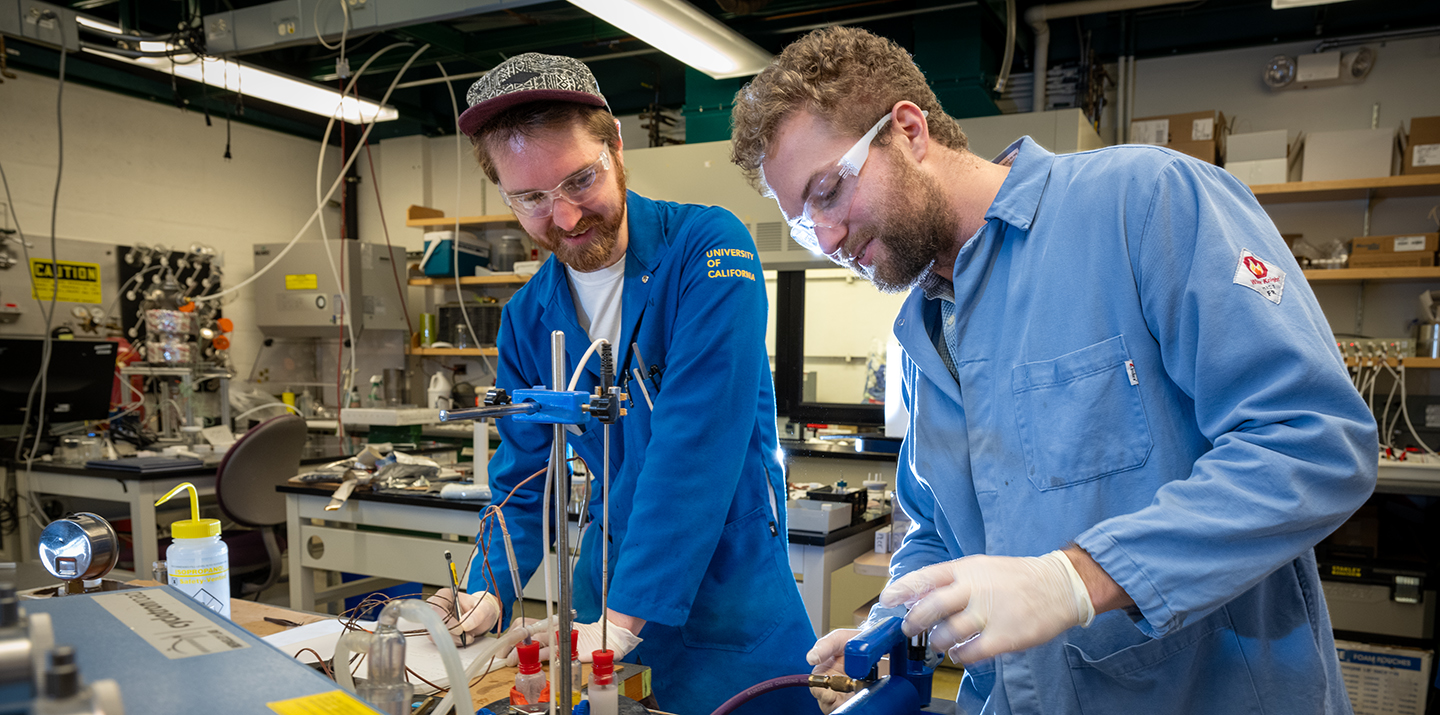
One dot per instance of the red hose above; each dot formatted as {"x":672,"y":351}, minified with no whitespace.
{"x":754,"y":691}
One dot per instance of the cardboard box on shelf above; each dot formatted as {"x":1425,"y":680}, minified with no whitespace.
{"x":1353,"y":154}
{"x":1384,"y":680}
{"x":1402,"y":244}
{"x":1257,"y":146}
{"x":1422,"y":155}
{"x":1259,"y":171}
{"x":1391,"y":260}
{"x":1204,"y":151}
{"x":1184,"y":127}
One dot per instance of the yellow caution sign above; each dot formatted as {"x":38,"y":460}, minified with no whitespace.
{"x":335,"y":702}
{"x":78,"y":282}
{"x":302,"y":281}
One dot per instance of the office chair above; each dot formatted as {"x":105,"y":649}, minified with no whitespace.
{"x":262,"y":458}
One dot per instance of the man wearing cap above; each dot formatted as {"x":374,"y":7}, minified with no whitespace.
{"x":700,"y":584}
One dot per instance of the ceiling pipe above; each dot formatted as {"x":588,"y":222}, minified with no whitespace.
{"x":1039,"y":18}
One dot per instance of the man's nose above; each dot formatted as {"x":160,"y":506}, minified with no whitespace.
{"x":830,"y":238}
{"x":565,"y":214}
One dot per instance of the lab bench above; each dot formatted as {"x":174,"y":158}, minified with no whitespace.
{"x":139,"y":490}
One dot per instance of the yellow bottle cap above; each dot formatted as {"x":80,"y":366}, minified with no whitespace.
{"x":194,"y":527}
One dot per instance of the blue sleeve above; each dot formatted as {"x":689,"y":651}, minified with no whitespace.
{"x":703,"y":423}
{"x":524,"y":450}
{"x":923,"y":544}
{"x":1294,"y":448}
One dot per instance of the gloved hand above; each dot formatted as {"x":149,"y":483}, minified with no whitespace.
{"x":828,"y":657}
{"x":478,"y":614}
{"x":620,"y":640}
{"x":982,"y":606}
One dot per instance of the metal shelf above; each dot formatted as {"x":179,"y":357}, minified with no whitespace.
{"x":1383,"y":187}
{"x":507,"y":279}
{"x":1349,"y":275}
{"x":425,"y":217}
{"x":453,"y":352}
{"x":1421,"y":363}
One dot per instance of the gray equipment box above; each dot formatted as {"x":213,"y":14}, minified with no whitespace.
{"x":301,"y":299}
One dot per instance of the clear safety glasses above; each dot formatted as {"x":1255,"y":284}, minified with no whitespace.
{"x":828,"y":204}
{"x":577,"y":189}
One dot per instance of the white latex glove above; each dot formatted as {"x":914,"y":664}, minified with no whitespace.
{"x":828,"y":657}
{"x":620,"y":640}
{"x":478,"y":614}
{"x":982,"y":606}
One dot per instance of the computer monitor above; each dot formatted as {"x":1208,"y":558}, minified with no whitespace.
{"x":80,"y":381}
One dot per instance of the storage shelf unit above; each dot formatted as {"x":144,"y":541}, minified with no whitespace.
{"x":1348,"y":189}
{"x":425,"y":217}
{"x":508,"y":279}
{"x":453,"y":352}
{"x":1410,"y":362}
{"x":1346,"y":275}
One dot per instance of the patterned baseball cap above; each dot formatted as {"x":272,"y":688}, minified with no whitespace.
{"x":530,"y":77}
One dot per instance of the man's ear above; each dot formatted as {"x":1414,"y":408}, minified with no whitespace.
{"x":908,"y":123}
{"x":619,"y":138}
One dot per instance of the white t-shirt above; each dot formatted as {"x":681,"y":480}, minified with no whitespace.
{"x":597,"y":301}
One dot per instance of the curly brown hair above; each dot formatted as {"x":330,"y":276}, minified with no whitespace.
{"x":845,"y":75}
{"x":531,"y":117}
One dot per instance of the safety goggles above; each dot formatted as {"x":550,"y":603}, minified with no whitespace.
{"x":577,"y":189}
{"x":828,"y":204}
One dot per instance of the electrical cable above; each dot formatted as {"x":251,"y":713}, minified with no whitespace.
{"x":42,"y":379}
{"x":320,"y":200}
{"x":394,"y":269}
{"x":344,"y":31}
{"x":455,"y":238}
{"x":338,"y":180}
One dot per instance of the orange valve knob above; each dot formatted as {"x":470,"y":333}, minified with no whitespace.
{"x":221,"y":342}
{"x":226,"y":325}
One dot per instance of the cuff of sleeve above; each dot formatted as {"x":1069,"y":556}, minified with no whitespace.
{"x":1157,"y":619}
{"x":1084,"y":607}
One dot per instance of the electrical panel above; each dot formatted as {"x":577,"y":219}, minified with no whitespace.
{"x":88,"y":279}
{"x":300,"y":297}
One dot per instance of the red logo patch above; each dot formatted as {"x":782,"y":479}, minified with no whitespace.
{"x":1256,"y":266}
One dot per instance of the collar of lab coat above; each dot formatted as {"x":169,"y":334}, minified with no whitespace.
{"x":1016,"y":205}
{"x":643,"y":253}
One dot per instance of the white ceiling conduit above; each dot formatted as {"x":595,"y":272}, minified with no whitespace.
{"x":1040,"y":16}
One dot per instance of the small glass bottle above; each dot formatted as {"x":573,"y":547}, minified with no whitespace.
{"x":577,"y":676}
{"x":604,"y":692}
{"x":531,"y":692}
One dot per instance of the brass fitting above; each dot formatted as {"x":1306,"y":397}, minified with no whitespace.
{"x":838,"y":683}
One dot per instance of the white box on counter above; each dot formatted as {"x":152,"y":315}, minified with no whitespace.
{"x":1255,"y":146}
{"x":1354,"y":154}
{"x":1259,"y":171}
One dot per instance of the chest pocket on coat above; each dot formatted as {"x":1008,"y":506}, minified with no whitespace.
{"x":1080,"y":417}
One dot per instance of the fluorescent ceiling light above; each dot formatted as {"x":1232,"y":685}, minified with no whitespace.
{"x":1286,"y":4}
{"x":250,"y":81}
{"x":684,"y":32}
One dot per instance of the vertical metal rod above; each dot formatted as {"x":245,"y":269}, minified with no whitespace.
{"x":560,"y":650}
{"x":605,"y":541}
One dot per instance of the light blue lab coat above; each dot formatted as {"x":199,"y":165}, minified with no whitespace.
{"x":698,"y":541}
{"x":1200,"y":481}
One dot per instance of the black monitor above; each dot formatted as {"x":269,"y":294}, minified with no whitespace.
{"x":81,"y":377}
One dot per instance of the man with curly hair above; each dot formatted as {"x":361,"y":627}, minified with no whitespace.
{"x":1129,"y":424}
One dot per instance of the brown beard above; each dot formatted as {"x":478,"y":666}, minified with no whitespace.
{"x":915,"y":226}
{"x":595,"y":253}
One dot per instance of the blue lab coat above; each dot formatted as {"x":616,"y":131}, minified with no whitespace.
{"x":1122,"y":385}
{"x":698,"y":541}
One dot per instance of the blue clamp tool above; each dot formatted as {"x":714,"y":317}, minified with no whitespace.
{"x":906,"y":690}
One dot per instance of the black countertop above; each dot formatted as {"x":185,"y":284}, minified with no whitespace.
{"x":323,"y":451}
{"x":873,"y":519}
{"x":843,"y":449}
